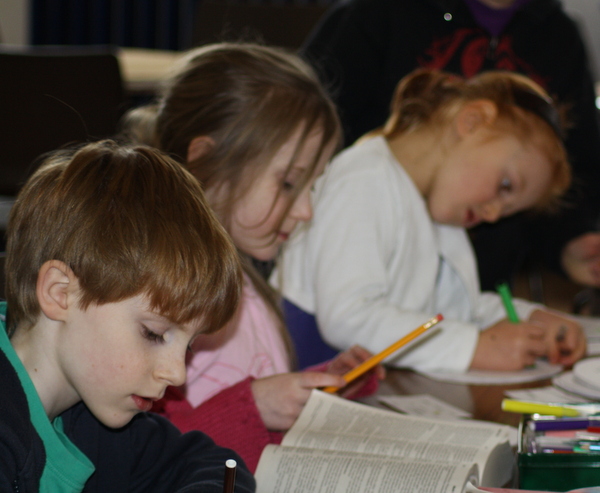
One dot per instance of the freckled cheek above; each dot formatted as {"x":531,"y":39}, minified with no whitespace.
{"x":110,"y":368}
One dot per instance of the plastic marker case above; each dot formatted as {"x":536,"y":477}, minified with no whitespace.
{"x":562,"y":470}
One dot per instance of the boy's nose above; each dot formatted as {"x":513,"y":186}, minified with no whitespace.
{"x":171,"y":370}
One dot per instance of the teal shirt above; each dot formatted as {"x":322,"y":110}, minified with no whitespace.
{"x":67,"y":469}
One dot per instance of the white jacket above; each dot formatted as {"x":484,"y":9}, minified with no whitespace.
{"x":372,"y":266}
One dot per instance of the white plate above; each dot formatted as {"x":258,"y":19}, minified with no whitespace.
{"x":587,"y":371}
{"x":540,"y":371}
{"x":570,"y":383}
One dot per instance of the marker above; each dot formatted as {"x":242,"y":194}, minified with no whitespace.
{"x":587,"y":448}
{"x":513,"y":406}
{"x":366,"y":365}
{"x":229,"y":481}
{"x":506,"y":297}
{"x":559,"y":424}
{"x":558,"y":451}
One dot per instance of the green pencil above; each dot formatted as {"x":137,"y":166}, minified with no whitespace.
{"x":506,"y":296}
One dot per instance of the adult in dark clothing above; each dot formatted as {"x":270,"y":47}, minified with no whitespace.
{"x":362,"y":48}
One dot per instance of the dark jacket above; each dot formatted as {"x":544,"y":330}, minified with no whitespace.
{"x":147,"y":455}
{"x":362,"y":48}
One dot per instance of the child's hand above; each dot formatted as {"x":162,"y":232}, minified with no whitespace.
{"x":509,"y":346}
{"x":349,"y":359}
{"x":565,"y":339}
{"x":280,"y":398}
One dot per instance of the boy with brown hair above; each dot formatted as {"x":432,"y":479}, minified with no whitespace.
{"x":114,"y":264}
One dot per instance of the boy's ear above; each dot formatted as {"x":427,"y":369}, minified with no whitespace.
{"x":199,"y":146}
{"x":56,"y":289}
{"x":473,"y":115}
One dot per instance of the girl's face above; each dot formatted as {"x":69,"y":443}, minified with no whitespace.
{"x":487,"y":177}
{"x":256,"y":226}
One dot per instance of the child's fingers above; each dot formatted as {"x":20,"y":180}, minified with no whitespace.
{"x":315,"y":380}
{"x":564,"y":337}
{"x":349,"y":359}
{"x":533,"y":330}
{"x":571,"y":345}
{"x":533,"y":347}
{"x":359,"y":353}
{"x":345,"y":361}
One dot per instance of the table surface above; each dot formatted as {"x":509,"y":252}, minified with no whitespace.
{"x":143,"y":69}
{"x":482,"y":401}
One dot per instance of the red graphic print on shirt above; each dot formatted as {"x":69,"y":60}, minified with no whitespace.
{"x":470,"y":51}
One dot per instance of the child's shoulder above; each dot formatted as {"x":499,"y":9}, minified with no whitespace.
{"x":21,"y":448}
{"x":369,"y":164}
{"x":369,"y":157}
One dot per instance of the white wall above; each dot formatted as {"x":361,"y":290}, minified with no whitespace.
{"x":14,"y":21}
{"x":587,"y":15}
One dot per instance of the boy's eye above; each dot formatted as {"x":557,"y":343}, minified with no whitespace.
{"x":506,"y":185}
{"x":152,"y":336}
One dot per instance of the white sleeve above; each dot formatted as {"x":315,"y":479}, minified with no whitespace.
{"x":357,"y":229}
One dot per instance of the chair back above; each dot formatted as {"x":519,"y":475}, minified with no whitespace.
{"x":310,"y":347}
{"x":52,"y":96}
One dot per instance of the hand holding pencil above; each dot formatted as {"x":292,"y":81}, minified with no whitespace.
{"x":512,"y":344}
{"x":565,"y":340}
{"x":346,"y":361}
{"x":280,"y":398}
{"x":378,"y":358}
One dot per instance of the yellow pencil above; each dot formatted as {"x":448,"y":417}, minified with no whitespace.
{"x":365,"y":366}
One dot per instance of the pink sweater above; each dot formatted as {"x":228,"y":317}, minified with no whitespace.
{"x":249,"y":346}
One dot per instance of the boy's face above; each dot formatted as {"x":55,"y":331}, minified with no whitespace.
{"x":120,"y":357}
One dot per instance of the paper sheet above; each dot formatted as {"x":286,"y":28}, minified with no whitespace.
{"x":548,"y":394}
{"x":424,"y":405}
{"x":427,"y":406}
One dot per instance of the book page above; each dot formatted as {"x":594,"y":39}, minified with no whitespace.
{"x":285,"y":470}
{"x":473,"y":489}
{"x":329,"y":422}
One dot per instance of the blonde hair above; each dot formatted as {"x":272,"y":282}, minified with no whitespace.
{"x":430,"y":98}
{"x":249,"y":99}
{"x":127,"y":220}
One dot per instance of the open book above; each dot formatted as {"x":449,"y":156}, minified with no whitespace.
{"x":342,"y":446}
